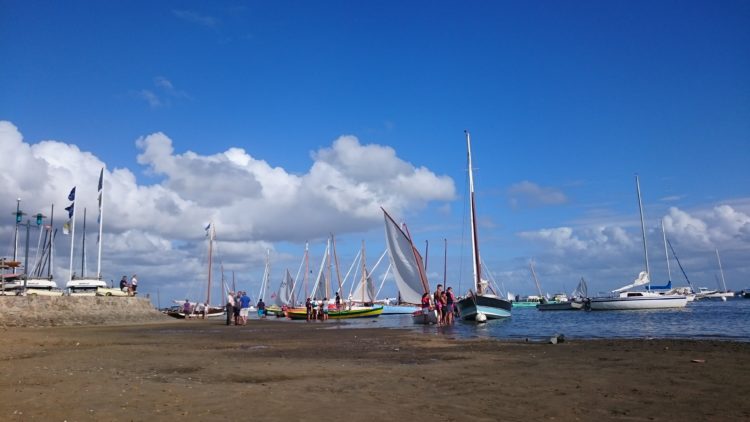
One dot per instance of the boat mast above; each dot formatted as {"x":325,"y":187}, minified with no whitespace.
{"x":472,"y":208}
{"x":536,"y":280}
{"x":643,"y":225}
{"x":83,"y":247}
{"x":721,"y":270}
{"x":101,"y":225}
{"x":666,"y":252}
{"x":307,"y":268}
{"x":445,"y":261}
{"x":72,"y":232}
{"x":51,"y":243}
{"x":336,"y":262}
{"x":19,"y":215}
{"x":210,"y":252}
{"x":426,"y":253}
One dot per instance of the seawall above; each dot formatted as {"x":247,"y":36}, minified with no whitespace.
{"x":45,"y":311}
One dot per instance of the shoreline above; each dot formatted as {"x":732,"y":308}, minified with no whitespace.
{"x":298,"y":371}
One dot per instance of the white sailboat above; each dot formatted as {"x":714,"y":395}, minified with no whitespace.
{"x":625,"y":298}
{"x":408,"y":269}
{"x":482,"y":304}
{"x":722,"y":294}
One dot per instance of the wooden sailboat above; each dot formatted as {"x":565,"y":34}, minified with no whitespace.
{"x":480,"y":305}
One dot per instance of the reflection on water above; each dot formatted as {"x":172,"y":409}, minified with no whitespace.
{"x":699,"y":320}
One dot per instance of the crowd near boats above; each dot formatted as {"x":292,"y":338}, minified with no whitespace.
{"x":321,"y":298}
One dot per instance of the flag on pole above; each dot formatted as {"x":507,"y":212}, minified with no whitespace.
{"x":101,"y":179}
{"x":66,"y":228}
{"x":72,"y":194}
{"x":69,"y":209}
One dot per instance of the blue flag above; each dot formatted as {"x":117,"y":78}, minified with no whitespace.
{"x":70,"y":210}
{"x":101,"y":179}
{"x":72,"y":195}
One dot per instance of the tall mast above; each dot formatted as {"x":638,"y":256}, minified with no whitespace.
{"x":474,"y":241}
{"x":643,"y":225}
{"x":723,"y":282}
{"x":50,"y":258}
{"x":536,"y":280}
{"x":72,"y":234}
{"x":101,"y":225}
{"x":666,"y":252}
{"x":426,"y":253}
{"x":210,"y":252}
{"x":336,"y":262}
{"x":364,"y":272}
{"x":445,"y":261}
{"x":307,"y":268}
{"x":83,"y":247}
{"x":15,"y":236}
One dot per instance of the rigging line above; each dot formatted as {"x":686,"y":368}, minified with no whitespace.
{"x":346,"y":277}
{"x":296,"y":277}
{"x":374,"y":267}
{"x":680,"y":264}
{"x":463,"y":234}
{"x":354,"y":275}
{"x":385,"y":275}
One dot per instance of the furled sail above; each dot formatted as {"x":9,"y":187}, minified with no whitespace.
{"x":640,"y":281}
{"x":406,"y":263}
{"x":581,"y":291}
{"x":366,"y":293}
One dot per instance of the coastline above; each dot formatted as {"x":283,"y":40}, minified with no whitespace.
{"x":299,"y":371}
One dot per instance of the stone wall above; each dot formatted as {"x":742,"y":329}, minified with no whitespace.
{"x":39,"y":311}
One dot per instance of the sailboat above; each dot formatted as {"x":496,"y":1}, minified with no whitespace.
{"x":625,"y":298}
{"x":408,"y":270}
{"x":723,"y":294}
{"x":321,"y":291}
{"x":480,"y":305}
{"x":83,"y":285}
{"x":210,"y":311}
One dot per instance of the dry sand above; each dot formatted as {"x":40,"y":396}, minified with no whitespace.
{"x":272,"y":370}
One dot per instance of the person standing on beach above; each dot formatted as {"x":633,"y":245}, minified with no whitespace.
{"x":186,"y":308}
{"x":261,"y":308}
{"x":438,"y":299}
{"x":450,"y":300}
{"x":230,"y":307}
{"x":124,"y":283}
{"x":308,"y":308}
{"x":133,"y":285}
{"x":338,"y":301}
{"x":237,"y":308}
{"x":244,"y":307}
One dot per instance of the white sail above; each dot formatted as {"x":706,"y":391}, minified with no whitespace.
{"x":319,"y":290}
{"x":581,"y":291}
{"x":406,"y":263}
{"x":284,"y":295}
{"x":366,"y":293}
{"x":640,"y":281}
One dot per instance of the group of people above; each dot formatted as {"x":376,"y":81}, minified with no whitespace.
{"x":238,"y":308}
{"x":318,"y":309}
{"x":130,"y":287}
{"x":444,"y":304}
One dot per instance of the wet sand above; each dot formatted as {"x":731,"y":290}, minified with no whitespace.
{"x":272,"y":370}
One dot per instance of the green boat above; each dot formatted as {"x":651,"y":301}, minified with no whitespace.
{"x":357,"y":312}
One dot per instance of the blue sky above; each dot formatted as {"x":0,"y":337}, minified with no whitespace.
{"x":565,"y":103}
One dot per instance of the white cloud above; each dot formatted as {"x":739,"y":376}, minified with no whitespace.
{"x":162,"y":94}
{"x":197,"y":18}
{"x":158,"y":228}
{"x":530,"y":194}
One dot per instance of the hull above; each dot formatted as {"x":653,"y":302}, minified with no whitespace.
{"x":492,"y":307}
{"x":636,"y":303}
{"x":424,"y":319}
{"x":399,"y":310}
{"x":44,"y":292}
{"x":560,"y":306}
{"x":367,"y":312}
{"x":85,"y":283}
{"x":524,"y":304}
{"x":110,"y":291}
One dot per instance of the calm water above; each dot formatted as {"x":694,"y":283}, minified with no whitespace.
{"x":728,"y":320}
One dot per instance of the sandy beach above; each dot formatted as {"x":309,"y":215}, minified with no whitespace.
{"x":272,"y":370}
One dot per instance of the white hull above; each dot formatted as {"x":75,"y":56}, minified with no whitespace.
{"x":637,"y":302}
{"x":86,"y":283}
{"x":110,"y":291}
{"x":717,"y":296}
{"x":40,"y":283}
{"x":44,"y":292}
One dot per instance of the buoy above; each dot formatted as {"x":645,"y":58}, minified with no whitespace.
{"x":481,"y":317}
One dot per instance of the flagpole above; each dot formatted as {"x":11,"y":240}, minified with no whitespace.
{"x":101,"y":224}
{"x":72,"y":238}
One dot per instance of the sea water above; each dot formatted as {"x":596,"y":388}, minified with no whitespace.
{"x":704,"y":319}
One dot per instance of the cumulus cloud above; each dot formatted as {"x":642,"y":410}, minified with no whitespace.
{"x":529,"y":194}
{"x":253,"y":204}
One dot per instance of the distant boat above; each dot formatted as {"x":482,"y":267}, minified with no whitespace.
{"x":480,"y":305}
{"x":576,"y":301}
{"x":625,"y":298}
